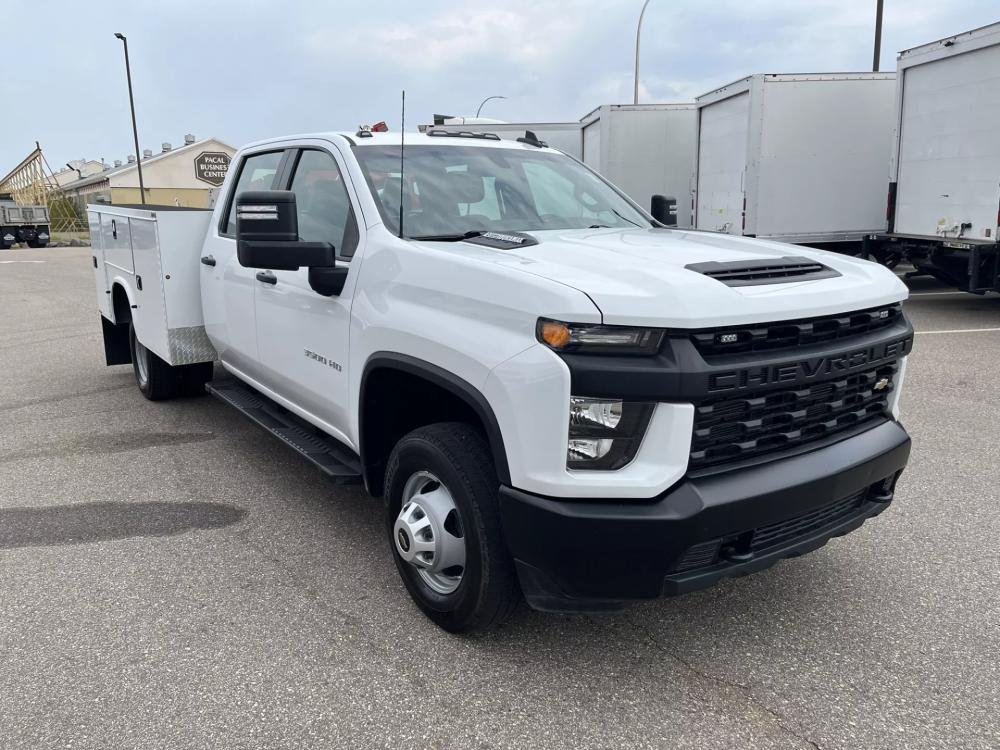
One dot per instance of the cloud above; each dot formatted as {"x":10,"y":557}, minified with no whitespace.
{"x":235,"y":70}
{"x":520,"y":33}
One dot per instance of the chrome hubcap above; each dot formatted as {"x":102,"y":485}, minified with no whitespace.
{"x":428,"y":533}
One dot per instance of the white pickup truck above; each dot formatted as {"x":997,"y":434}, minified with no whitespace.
{"x":555,"y":394}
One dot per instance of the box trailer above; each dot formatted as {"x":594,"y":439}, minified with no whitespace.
{"x":797,"y":158}
{"x":645,"y":149}
{"x":943,"y":210}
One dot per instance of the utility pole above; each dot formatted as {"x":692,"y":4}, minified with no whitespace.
{"x":135,"y":129}
{"x":638,"y":31}
{"x":878,"y":35}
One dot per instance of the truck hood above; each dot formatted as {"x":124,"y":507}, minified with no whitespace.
{"x":638,"y":276}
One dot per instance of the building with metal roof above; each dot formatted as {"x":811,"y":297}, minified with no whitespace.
{"x":184,"y":176}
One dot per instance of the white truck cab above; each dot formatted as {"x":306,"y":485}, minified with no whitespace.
{"x":554,"y":393}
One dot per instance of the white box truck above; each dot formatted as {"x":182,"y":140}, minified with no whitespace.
{"x":645,"y":149}
{"x":554,"y":395}
{"x":943,"y":210}
{"x":795,"y":158}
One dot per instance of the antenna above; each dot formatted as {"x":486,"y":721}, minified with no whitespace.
{"x":402,"y":146}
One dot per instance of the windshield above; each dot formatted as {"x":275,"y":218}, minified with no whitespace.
{"x":450,"y":191}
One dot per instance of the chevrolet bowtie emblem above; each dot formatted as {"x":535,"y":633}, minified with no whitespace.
{"x":881,"y":384}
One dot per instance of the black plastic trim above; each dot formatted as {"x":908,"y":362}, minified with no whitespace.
{"x":679,"y":372}
{"x":448,"y":382}
{"x":765,"y":271}
{"x":583,"y":554}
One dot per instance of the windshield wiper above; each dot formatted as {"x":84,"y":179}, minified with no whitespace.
{"x":449,"y":237}
{"x":615,"y":212}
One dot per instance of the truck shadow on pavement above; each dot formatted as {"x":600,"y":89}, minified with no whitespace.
{"x":82,"y":523}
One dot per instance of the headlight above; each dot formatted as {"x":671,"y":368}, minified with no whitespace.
{"x":590,"y":338}
{"x":605,"y":434}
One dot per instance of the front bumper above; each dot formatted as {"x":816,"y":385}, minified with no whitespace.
{"x":594,"y":555}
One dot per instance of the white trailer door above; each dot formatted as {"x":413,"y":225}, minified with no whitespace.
{"x":949,"y":150}
{"x":722,"y":158}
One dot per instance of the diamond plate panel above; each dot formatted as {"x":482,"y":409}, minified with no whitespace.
{"x":189,"y":345}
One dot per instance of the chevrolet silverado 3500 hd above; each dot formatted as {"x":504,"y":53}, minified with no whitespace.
{"x":554,"y":394}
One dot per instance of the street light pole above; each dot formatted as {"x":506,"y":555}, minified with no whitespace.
{"x":486,"y":100}
{"x":135,"y":129}
{"x":638,"y":30}
{"x":878,"y":35}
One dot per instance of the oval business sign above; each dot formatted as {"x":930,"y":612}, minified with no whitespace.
{"x":211,"y":166}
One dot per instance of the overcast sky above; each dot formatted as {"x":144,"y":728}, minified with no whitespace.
{"x":250,"y":69}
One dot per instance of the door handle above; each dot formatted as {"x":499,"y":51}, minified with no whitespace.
{"x":267,"y":277}
{"x":207,"y":260}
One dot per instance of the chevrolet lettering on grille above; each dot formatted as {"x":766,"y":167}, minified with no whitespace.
{"x":806,"y":370}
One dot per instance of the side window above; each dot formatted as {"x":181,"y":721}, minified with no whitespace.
{"x":256,"y":173}
{"x":321,"y":199}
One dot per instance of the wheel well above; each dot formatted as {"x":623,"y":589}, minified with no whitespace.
{"x":395,"y":400}
{"x":120,"y":305}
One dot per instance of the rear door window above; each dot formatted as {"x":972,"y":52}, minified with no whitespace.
{"x":257,"y":172}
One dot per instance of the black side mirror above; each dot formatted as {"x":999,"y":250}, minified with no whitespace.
{"x":267,"y":234}
{"x":664,"y":210}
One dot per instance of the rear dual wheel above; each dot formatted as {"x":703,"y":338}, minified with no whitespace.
{"x":443,"y":521}
{"x":158,"y":380}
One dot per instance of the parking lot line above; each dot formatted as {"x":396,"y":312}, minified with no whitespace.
{"x":959,"y":330}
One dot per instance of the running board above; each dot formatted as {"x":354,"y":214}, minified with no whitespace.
{"x":331,"y":456}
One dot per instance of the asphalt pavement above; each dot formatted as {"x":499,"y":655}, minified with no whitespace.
{"x":173,"y":577}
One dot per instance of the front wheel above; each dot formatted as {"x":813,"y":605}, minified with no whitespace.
{"x":443,"y":522}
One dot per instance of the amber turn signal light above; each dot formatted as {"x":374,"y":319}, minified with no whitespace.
{"x":555,"y":334}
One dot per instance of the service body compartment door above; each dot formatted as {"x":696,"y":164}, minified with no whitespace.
{"x":723,"y":137}
{"x":116,"y":239}
{"x":149,"y":317}
{"x":100,"y":271}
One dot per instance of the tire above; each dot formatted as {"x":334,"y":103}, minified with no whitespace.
{"x":36,"y":244}
{"x":156,"y":379}
{"x":455,"y":456}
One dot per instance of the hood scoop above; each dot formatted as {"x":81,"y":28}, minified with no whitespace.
{"x":768,"y":271}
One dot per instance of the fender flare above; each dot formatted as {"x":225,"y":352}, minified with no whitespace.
{"x":449,"y":382}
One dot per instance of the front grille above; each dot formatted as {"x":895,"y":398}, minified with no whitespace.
{"x":791,"y":334}
{"x":779,"y":534}
{"x":744,"y":545}
{"x":735,"y":429}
